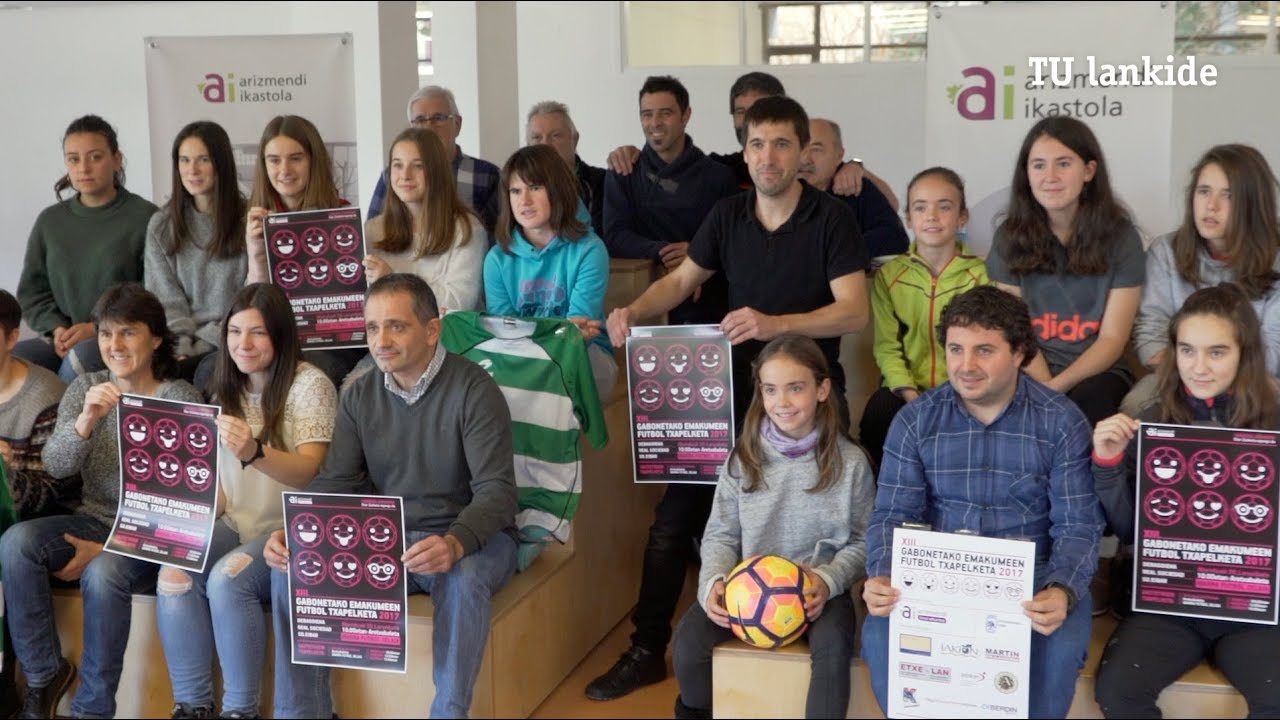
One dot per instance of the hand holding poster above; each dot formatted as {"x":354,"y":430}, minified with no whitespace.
{"x":681,"y":387}
{"x":1205,"y":520}
{"x":959,"y":643}
{"x":346,"y":582}
{"x":168,"y":481}
{"x":315,"y":256}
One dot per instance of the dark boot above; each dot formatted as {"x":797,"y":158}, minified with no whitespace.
{"x":636,"y":668}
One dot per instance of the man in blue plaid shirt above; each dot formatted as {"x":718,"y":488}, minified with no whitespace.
{"x":994,"y":452}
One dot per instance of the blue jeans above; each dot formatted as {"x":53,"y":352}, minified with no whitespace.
{"x":460,"y":630}
{"x":186,"y":609}
{"x":29,"y":552}
{"x":1055,"y":660}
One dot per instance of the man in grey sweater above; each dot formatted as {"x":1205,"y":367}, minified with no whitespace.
{"x":434,"y":429}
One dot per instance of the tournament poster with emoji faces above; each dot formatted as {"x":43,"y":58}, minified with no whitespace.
{"x":1205,"y":516}
{"x":315,"y":256}
{"x":680,"y":383}
{"x":349,"y":598}
{"x":168,"y":481}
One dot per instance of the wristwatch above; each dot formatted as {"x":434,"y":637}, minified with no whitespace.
{"x":1071,"y":595}
{"x":258,"y":453}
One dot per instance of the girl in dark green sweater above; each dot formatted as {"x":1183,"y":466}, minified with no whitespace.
{"x":80,"y":246}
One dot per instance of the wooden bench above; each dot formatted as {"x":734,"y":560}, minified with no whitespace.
{"x":752,"y":683}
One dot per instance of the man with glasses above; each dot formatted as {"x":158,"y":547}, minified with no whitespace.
{"x":434,"y":108}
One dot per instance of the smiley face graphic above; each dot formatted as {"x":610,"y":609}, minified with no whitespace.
{"x":382,"y":571}
{"x":1163,"y":506}
{"x":908,"y":579}
{"x":1208,"y":509}
{"x":137,"y":429}
{"x":199,"y":439}
{"x":168,"y":433}
{"x":168,"y":470}
{"x":380,"y":533}
{"x":199,"y":475}
{"x":138,"y":464}
{"x":1208,"y":468}
{"x":712,"y":393}
{"x":678,"y":359}
{"x":680,"y":394}
{"x":645,"y":359}
{"x":929,"y":582}
{"x":971,"y":586}
{"x":288,"y":274}
{"x":649,"y":395}
{"x":1166,"y":465}
{"x":344,"y":238}
{"x":308,"y":566}
{"x":347,"y":270}
{"x":1252,"y":513}
{"x":991,"y":588}
{"x":285,"y":243}
{"x":306,"y":530}
{"x":342,"y":531}
{"x":950,"y":583}
{"x":1254,"y":471}
{"x":1012,"y":591}
{"x":318,"y":271}
{"x":709,"y":358}
{"x":345,"y":570}
{"x":315,"y":240}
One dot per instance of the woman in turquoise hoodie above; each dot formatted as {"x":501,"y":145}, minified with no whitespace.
{"x":547,"y":262}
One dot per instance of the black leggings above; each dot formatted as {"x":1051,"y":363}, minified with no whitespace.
{"x":1148,"y":652}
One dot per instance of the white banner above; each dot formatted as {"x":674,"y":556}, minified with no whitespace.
{"x":241,"y":82}
{"x":992,"y":74}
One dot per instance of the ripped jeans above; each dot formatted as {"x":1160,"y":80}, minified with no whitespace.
{"x":222,"y":606}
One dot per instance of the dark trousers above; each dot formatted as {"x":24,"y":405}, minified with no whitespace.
{"x":1148,"y":652}
{"x":881,"y":408}
{"x":679,"y":519}
{"x":830,"y":652}
{"x":1099,"y":396}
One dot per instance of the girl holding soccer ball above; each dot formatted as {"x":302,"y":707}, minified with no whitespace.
{"x":795,"y":486}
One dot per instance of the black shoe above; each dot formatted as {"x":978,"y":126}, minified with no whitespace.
{"x":636,"y":668}
{"x":183,"y":710}
{"x":40,"y":702}
{"x":684,"y":712}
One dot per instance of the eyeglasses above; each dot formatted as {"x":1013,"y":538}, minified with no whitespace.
{"x":437,"y":119}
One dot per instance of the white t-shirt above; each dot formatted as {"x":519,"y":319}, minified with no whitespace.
{"x":254,"y":504}
{"x":455,"y":275}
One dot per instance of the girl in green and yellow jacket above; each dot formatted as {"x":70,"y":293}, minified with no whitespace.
{"x":908,"y":296}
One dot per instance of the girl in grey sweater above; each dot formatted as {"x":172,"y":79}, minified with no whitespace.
{"x":797,"y":487}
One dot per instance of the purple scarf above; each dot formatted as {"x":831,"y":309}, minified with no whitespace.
{"x":788,"y":446}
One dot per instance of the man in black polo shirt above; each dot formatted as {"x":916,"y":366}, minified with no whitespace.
{"x":793,"y":256}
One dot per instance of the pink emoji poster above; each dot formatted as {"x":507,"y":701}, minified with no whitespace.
{"x":315,"y":256}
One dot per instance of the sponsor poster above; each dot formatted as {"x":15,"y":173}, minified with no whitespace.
{"x":1205,"y":520}
{"x":168,"y":481}
{"x":959,"y":644}
{"x":241,"y":82}
{"x":314,"y":257}
{"x":348,"y":596}
{"x":681,"y":385}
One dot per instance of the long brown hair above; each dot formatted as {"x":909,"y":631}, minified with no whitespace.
{"x":1252,"y":232}
{"x":230,"y":386}
{"x":540,"y":165}
{"x":321,"y":191}
{"x":749,"y":450}
{"x":228,"y":203}
{"x":1098,"y":216}
{"x":443,"y":217}
{"x":1254,"y":403}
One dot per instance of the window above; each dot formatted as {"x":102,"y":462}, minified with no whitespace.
{"x":843,"y":32}
{"x":1225,"y":28}
{"x":423,"y":16}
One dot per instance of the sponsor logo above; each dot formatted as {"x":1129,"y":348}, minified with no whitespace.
{"x":932,"y":673}
{"x":1006,"y":682}
{"x":909,"y":697}
{"x":972,"y":678}
{"x":915,"y":644}
{"x":961,"y":649}
{"x":1002,"y":654}
{"x":1067,"y":329}
{"x":1000,"y":709}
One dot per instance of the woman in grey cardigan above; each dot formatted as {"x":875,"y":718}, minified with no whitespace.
{"x":135,"y":340}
